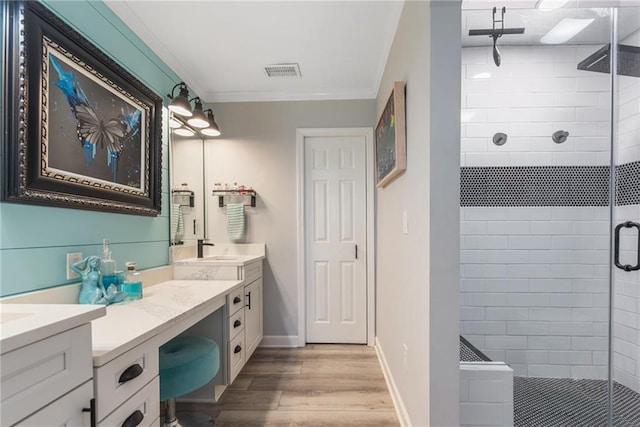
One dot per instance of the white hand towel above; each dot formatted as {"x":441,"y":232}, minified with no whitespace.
{"x":177,"y":224}
{"x":235,"y":221}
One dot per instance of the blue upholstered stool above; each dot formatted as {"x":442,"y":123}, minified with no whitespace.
{"x":186,"y":364}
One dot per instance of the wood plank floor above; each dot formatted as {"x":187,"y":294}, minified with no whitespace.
{"x":318,"y":385}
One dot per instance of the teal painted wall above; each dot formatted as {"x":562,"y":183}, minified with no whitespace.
{"x":34,"y":240}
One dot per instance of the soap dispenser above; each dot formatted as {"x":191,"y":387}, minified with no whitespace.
{"x":132,"y":285}
{"x":108,"y":266}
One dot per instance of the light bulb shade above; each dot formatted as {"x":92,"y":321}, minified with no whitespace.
{"x":198,"y":120}
{"x":174,"y":124}
{"x":184,"y":132}
{"x":180,"y":104}
{"x":213,"y":129}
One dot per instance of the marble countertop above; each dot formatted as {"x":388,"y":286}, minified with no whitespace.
{"x":221,"y":260}
{"x":165,"y":310}
{"x":23,"y":324}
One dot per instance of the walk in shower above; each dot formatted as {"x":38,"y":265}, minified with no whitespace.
{"x":550,"y":216}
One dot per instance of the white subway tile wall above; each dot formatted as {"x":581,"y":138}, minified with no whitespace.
{"x":486,"y":395}
{"x":626,"y":313}
{"x":535,"y":92}
{"x":534,"y":280}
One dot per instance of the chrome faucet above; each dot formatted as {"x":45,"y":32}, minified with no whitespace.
{"x":201,"y":243}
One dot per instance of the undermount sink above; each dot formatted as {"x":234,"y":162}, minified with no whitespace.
{"x":8,"y":317}
{"x":221,"y":258}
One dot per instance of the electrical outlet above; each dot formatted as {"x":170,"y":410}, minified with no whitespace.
{"x":73,"y":257}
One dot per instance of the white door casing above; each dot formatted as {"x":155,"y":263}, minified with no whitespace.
{"x":336,"y":218}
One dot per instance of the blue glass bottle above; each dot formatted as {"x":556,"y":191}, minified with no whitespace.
{"x":132,"y":285}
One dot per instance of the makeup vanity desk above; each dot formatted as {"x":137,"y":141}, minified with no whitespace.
{"x":125,"y":345}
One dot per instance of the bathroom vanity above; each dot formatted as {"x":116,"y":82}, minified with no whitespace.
{"x":46,"y":363}
{"x":56,"y":357}
{"x":245,"y":308}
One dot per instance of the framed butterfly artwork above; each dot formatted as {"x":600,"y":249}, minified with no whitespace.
{"x":79,"y":130}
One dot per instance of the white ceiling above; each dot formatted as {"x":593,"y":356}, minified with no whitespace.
{"x":220,"y":48}
{"x":477,"y":14}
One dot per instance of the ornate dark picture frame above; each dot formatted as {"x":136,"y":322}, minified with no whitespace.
{"x":79,"y":131}
{"x":391,"y":144}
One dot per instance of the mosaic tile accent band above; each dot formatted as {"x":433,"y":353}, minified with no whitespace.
{"x":547,"y":185}
{"x":628,"y":184}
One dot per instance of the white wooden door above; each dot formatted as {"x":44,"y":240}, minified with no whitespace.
{"x":335,"y":236}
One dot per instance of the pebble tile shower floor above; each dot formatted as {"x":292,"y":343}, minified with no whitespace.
{"x":565,"y":402}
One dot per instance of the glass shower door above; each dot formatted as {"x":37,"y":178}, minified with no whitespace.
{"x":624,"y":384}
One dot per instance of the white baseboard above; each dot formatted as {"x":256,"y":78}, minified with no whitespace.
{"x":398,"y":404}
{"x":279,"y":341}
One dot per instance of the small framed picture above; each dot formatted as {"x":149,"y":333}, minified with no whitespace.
{"x":391,"y":145}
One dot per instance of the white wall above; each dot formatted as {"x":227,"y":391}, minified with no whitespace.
{"x":416,"y":272}
{"x":626,"y":316}
{"x":258,"y":148}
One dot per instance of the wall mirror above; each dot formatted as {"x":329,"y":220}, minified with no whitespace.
{"x":187,"y":188}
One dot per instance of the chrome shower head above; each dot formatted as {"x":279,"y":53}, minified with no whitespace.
{"x":496,"y":54}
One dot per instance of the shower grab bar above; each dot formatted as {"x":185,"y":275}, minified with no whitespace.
{"x":626,"y":267}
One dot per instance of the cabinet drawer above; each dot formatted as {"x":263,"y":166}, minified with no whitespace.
{"x":252,"y":271}
{"x":66,"y":411}
{"x":146,"y":401}
{"x":236,"y":356}
{"x":236,"y":300}
{"x":236,"y":323}
{"x":110,"y":391}
{"x":37,"y":374}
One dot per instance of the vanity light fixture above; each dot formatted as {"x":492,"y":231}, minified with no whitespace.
{"x":198,"y":119}
{"x":213,"y":129}
{"x":186,"y":121}
{"x":565,"y":30}
{"x":180,"y":103}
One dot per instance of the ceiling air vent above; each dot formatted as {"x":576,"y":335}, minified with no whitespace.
{"x":282,"y":70}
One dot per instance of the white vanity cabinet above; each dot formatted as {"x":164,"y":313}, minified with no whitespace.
{"x":46,"y":361}
{"x":253,"y":332}
{"x":245,"y":304}
{"x":245,"y":318}
{"x":126,"y":387}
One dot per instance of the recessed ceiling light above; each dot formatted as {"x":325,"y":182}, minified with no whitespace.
{"x":551,"y":4}
{"x":483,"y":75}
{"x":565,"y":30}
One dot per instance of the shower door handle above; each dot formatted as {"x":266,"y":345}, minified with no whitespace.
{"x":626,"y":267}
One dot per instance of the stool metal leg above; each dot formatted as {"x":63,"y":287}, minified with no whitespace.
{"x":169,"y":413}
{"x":187,"y":419}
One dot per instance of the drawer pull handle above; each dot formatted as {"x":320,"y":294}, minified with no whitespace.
{"x":134,"y":419}
{"x":130,"y":373}
{"x":237,"y":300}
{"x":237,"y":323}
{"x":92,"y":412}
{"x":237,"y":350}
{"x":248,"y":303}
